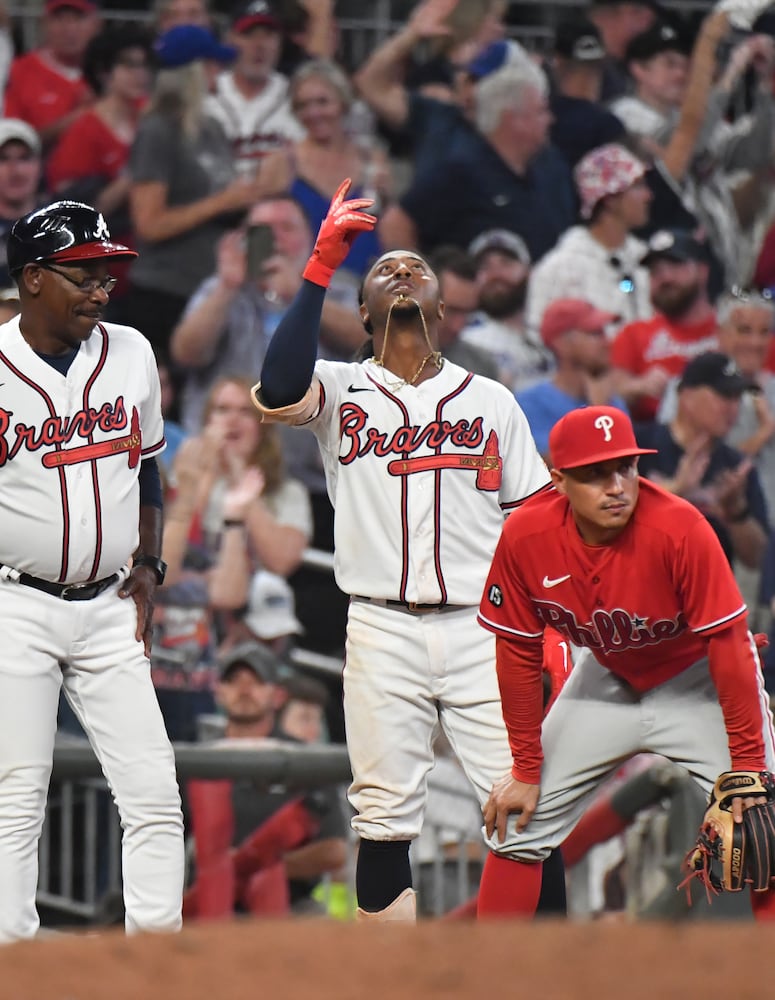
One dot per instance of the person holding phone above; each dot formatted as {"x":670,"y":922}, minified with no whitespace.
{"x":230,"y":319}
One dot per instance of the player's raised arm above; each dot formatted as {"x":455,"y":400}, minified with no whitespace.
{"x":290,"y":358}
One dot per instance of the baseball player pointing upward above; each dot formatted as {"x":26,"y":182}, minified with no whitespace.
{"x":422,"y":459}
{"x":637,"y":578}
{"x":80,"y":424}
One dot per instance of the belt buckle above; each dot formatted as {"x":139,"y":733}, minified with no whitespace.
{"x":412,"y":606}
{"x":71,"y":591}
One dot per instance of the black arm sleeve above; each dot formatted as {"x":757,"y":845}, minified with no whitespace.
{"x":290,"y":357}
{"x":150,"y":484}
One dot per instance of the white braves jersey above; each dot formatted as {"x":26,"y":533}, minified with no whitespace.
{"x":421,"y":478}
{"x":70,"y":450}
{"x":255,"y":125}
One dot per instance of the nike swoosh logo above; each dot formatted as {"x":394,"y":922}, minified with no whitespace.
{"x":553,"y":583}
{"x":359,"y":388}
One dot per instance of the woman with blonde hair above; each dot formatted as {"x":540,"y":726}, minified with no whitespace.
{"x":311,"y":169}
{"x":184,"y":192}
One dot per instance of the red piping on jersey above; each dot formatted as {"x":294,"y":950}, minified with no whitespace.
{"x":404,"y":501}
{"x":62,"y":480}
{"x":94,"y":474}
{"x":437,"y":494}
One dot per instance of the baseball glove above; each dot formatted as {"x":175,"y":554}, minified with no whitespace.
{"x":728,"y":855}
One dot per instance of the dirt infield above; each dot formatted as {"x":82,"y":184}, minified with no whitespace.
{"x":326,"y":961}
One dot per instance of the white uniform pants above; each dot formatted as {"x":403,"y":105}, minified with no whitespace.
{"x":598,"y":722}
{"x":404,"y":675}
{"x":107,"y":682}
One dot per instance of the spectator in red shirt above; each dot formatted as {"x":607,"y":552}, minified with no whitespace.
{"x":46,"y":86}
{"x":646,"y":353}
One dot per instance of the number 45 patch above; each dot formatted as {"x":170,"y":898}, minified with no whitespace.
{"x":495,"y":595}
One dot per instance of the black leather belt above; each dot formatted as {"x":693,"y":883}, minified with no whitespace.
{"x":67,"y":591}
{"x":412,"y":606}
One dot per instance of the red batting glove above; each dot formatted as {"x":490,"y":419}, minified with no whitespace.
{"x":337,"y":231}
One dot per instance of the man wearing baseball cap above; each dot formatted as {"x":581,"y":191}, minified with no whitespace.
{"x":647,"y":352}
{"x":666,"y":665}
{"x":502,"y":261}
{"x":575,"y":332}
{"x":20,"y":176}
{"x":695,"y":462}
{"x":46,"y":87}
{"x":581,"y":123}
{"x":600,"y":260}
{"x":251,"y":98}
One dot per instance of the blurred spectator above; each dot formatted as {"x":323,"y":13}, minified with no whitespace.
{"x":580,"y":124}
{"x":694,"y":462}
{"x":727,"y":165}
{"x":647,"y":352}
{"x":312,"y":169}
{"x":174,"y":434}
{"x":20,"y":174}
{"x":251,"y":99}
{"x":745,"y":331}
{"x":502,"y":268}
{"x":575,"y":332}
{"x":269,"y":616}
{"x":184,"y":193}
{"x":618,"y":22}
{"x":46,"y":87}
{"x":6,"y":45}
{"x":658,"y":63}
{"x":259,"y":851}
{"x":501,"y":175}
{"x":171,"y":13}
{"x":425,"y":113}
{"x":89,"y":161}
{"x":231,"y":317}
{"x":599,"y":260}
{"x":302,"y":716}
{"x":764,"y":274}
{"x":9,"y":303}
{"x":309,"y":32}
{"x":233,"y":498}
{"x":456,"y":273}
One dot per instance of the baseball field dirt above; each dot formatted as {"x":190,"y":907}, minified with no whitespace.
{"x":329,"y":961}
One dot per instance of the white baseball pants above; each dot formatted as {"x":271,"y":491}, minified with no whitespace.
{"x":107,"y":681}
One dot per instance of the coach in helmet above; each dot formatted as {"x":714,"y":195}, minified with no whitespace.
{"x":80,"y":426}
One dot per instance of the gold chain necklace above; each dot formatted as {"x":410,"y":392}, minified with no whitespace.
{"x":435,"y":356}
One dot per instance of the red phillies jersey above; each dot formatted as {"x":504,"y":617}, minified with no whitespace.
{"x":40,"y":93}
{"x":642,"y":604}
{"x":660,"y":343}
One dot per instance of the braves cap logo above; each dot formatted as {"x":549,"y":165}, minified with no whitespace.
{"x":604,"y":423}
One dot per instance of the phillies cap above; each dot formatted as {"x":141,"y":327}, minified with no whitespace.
{"x":564,"y":315}
{"x":256,"y":656}
{"x":609,"y":169}
{"x":257,"y":12}
{"x":14,"y":129}
{"x":593,"y":434}
{"x":675,"y":244}
{"x":652,"y":42}
{"x":271,"y":611}
{"x":504,"y":52}
{"x":578,"y":39}
{"x":503,"y":240}
{"x":719,"y":372}
{"x":63,"y":231}
{"x":187,"y":43}
{"x":84,"y":6}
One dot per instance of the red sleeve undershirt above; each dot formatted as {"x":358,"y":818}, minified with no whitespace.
{"x":734,"y":667}
{"x":519,"y":668}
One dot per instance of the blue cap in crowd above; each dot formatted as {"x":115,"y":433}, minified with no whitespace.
{"x":186,"y":43}
{"x":504,"y":52}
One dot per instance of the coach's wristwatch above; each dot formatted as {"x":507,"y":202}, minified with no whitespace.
{"x":157,"y":565}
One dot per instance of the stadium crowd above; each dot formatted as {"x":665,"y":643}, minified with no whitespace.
{"x":600,"y":213}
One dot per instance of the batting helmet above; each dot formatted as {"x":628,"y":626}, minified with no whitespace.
{"x":63,"y":231}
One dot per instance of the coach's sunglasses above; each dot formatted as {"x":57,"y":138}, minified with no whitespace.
{"x":85,"y":285}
